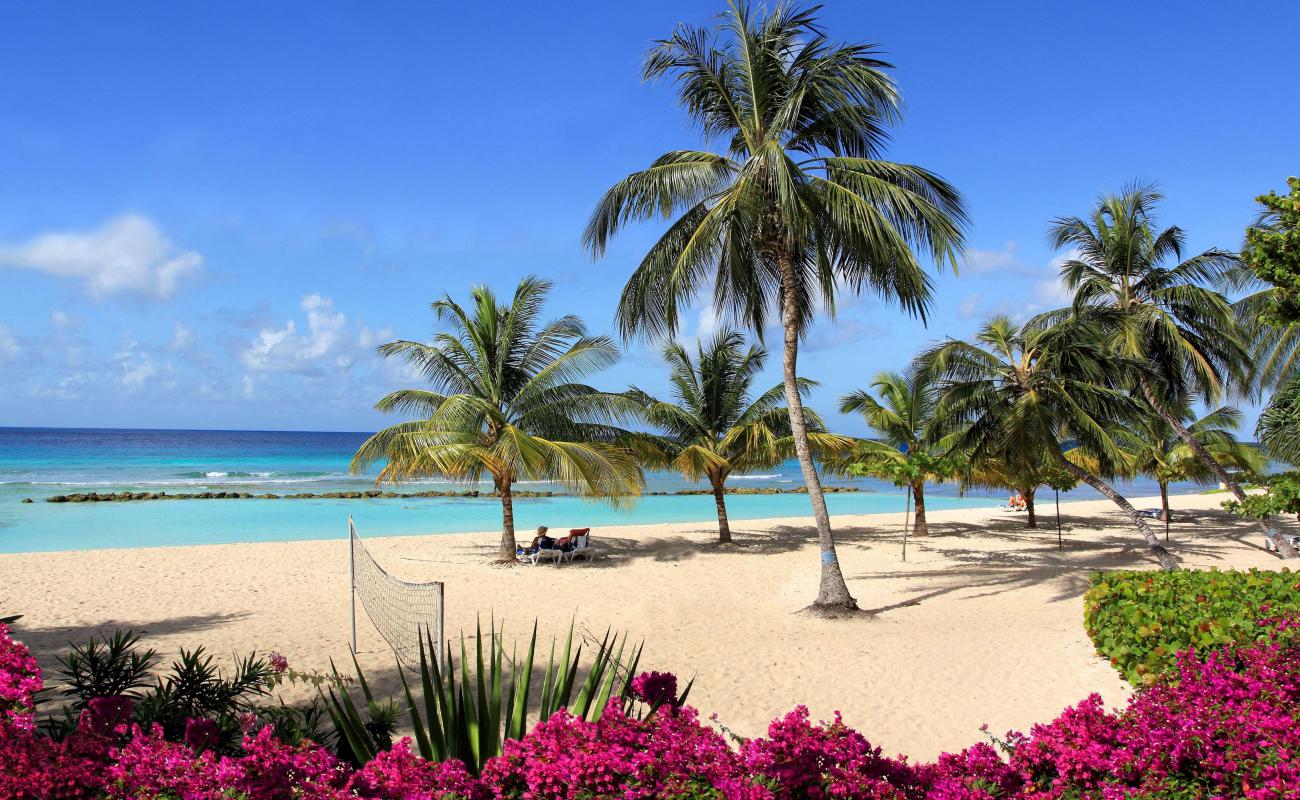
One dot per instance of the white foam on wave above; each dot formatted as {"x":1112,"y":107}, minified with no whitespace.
{"x":754,"y":477}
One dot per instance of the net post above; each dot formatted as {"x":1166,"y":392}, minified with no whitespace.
{"x":437,"y":656}
{"x":352,"y":578}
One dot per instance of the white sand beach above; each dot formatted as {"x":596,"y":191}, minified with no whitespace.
{"x":982,"y":624}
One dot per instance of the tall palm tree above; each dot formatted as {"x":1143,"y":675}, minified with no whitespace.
{"x":506,"y":401}
{"x":1156,"y":449}
{"x":713,"y":427}
{"x":1165,"y":316}
{"x":798,"y":207}
{"x":1016,"y":388}
{"x":904,"y":418}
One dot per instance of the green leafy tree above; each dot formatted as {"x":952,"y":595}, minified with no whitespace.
{"x":507,"y":402}
{"x":797,"y":208}
{"x":1021,"y":388}
{"x":1272,"y":253}
{"x":1155,"y":449}
{"x":1159,"y":311}
{"x":1278,"y":428}
{"x":714,"y":427}
{"x":909,"y":452}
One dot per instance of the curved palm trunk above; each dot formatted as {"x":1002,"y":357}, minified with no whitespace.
{"x":1283,"y":546}
{"x":720,"y":498}
{"x":920,"y":527}
{"x":832,"y":591}
{"x":1028,"y":494}
{"x":506,"y":552}
{"x":1162,"y":555}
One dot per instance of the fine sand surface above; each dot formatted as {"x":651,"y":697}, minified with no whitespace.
{"x":982,"y":624}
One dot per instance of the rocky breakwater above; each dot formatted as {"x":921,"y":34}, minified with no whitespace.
{"x":123,"y":497}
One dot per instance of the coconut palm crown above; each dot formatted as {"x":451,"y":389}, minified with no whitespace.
{"x":796,"y":207}
{"x":911,"y":448}
{"x":714,"y":427}
{"x":1158,"y":451}
{"x":507,"y":402}
{"x":1157,"y":308}
{"x":1042,"y":391}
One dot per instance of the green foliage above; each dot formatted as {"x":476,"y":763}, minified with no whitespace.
{"x":1278,"y":429}
{"x":1141,"y":621}
{"x":106,"y":666}
{"x":470,"y":716}
{"x":1282,"y":496}
{"x":1272,"y":253}
{"x":193,"y":687}
{"x":912,"y":448}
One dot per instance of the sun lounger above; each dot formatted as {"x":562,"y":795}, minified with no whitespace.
{"x":579,"y":544}
{"x":546,"y":548}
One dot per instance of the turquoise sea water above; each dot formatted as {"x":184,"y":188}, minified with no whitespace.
{"x":40,"y":462}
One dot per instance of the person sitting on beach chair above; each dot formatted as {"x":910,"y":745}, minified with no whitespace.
{"x":1015,"y":502}
{"x":542,"y":546}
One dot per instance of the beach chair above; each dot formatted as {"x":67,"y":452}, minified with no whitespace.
{"x":546,"y":548}
{"x":579,"y":544}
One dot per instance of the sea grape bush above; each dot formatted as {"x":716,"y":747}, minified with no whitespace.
{"x":1143,"y":621}
{"x":1228,"y":726}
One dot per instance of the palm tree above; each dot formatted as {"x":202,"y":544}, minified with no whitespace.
{"x":904,"y":418}
{"x":1029,"y":389}
{"x":798,"y":207}
{"x":1163,"y":317}
{"x":506,"y":402}
{"x":713,"y":428}
{"x":1156,"y":449}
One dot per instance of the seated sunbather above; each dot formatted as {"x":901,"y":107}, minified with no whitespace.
{"x":540,"y":542}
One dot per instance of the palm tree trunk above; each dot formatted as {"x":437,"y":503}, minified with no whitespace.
{"x":506,"y":553}
{"x":1162,"y":555}
{"x":720,"y":498}
{"x":832,"y":592}
{"x":1164,"y":500}
{"x":1283,"y":546}
{"x":920,"y":527}
{"x":1029,"y":506}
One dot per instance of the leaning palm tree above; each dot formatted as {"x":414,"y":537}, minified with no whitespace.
{"x":506,"y":402}
{"x":1155,"y":449}
{"x":797,"y":207}
{"x":1164,"y":316}
{"x":1021,"y":388}
{"x":904,"y":419}
{"x":713,"y":427}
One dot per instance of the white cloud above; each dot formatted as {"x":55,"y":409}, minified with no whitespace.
{"x":127,"y":254}
{"x":61,"y":320}
{"x":1053,"y":293}
{"x":182,"y":336}
{"x":324,"y":346}
{"x":136,"y":375}
{"x":1003,"y":259}
{"x":8,"y":344}
{"x":969,"y":307}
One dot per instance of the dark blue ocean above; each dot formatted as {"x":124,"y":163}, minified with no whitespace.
{"x":39,"y":462}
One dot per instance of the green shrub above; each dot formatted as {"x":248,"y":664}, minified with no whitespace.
{"x":1142,"y":620}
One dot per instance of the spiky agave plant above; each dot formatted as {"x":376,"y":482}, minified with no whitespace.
{"x":470,"y":717}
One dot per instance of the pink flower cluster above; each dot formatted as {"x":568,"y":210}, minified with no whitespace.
{"x":20,"y":678}
{"x":1227,"y":726}
{"x":656,"y":688}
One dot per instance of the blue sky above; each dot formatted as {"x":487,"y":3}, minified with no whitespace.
{"x":209,"y":216}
